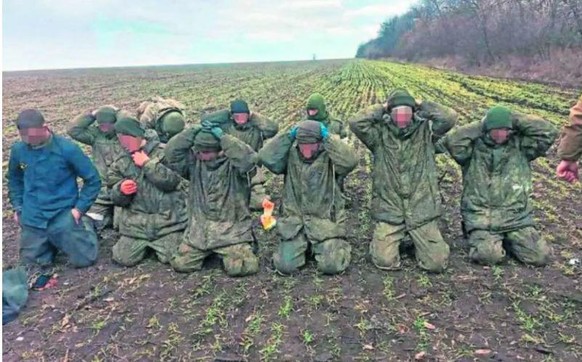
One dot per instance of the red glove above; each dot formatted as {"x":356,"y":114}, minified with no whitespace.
{"x":568,"y":171}
{"x":128,"y":187}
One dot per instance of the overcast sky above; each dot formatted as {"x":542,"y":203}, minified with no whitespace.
{"x":47,"y":34}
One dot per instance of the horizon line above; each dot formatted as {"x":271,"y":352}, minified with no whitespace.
{"x":166,"y":65}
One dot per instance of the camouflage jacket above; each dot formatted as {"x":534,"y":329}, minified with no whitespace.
{"x":258,"y":129}
{"x":404,"y":175}
{"x":570,"y":148}
{"x":497,"y":179}
{"x":312,"y":199}
{"x":218,"y":204}
{"x":159,"y":206}
{"x":151,"y":111}
{"x":105,"y":148}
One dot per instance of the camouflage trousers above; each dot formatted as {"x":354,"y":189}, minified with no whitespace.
{"x":130,"y":251}
{"x":431,"y":250}
{"x":332,"y":256}
{"x":77,"y":241}
{"x":258,"y":191}
{"x":238,"y":260}
{"x":102,"y":214}
{"x":525,"y":244}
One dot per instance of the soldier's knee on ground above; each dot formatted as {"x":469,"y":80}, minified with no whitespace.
{"x":487,"y":253}
{"x":241,"y":262}
{"x":385,"y":255}
{"x":435,"y":263}
{"x":187,"y":259}
{"x":333,"y":256}
{"x":529,"y":247}
{"x":290,"y":256}
{"x":128,"y":252}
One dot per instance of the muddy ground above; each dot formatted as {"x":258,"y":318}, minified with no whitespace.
{"x":106,"y":312}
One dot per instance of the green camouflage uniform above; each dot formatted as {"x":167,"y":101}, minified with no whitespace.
{"x":405,"y":194}
{"x":254,"y":133}
{"x":151,"y":114}
{"x":497,"y":184}
{"x":219,"y":219}
{"x":105,"y":148}
{"x":153,"y":218}
{"x":334,"y":125}
{"x":312,"y":212}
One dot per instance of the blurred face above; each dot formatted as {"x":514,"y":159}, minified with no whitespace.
{"x":500,"y":136}
{"x":34,"y":136}
{"x":207,"y":155}
{"x":240,"y":118}
{"x":129,"y":143}
{"x":312,"y":112}
{"x":401,"y":116}
{"x":309,"y":150}
{"x":106,"y":127}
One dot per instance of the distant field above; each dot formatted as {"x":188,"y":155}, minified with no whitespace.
{"x":503,"y":313}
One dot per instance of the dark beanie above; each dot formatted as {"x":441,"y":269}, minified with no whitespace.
{"x":29,"y":118}
{"x":205,"y":141}
{"x":129,"y":126}
{"x":239,"y":106}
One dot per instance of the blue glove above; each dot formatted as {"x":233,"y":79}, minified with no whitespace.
{"x":323,"y":131}
{"x":217,"y":132}
{"x":293,"y":133}
{"x":206,"y":124}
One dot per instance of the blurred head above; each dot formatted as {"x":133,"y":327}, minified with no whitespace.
{"x":206,"y":146}
{"x":401,"y":116}
{"x":240,"y":111}
{"x":32,"y":128}
{"x":106,"y":117}
{"x":130,"y":134}
{"x":316,"y":108}
{"x":309,"y":139}
{"x":498,"y":124}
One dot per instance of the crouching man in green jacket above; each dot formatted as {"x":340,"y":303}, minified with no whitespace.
{"x":149,"y":194}
{"x":495,"y":156}
{"x":312,"y":213}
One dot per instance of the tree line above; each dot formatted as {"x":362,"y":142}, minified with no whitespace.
{"x":480,"y":32}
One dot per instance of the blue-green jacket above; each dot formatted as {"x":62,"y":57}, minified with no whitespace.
{"x":42,"y":182}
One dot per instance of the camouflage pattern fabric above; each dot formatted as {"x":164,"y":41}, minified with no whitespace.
{"x":334,"y":125}
{"x":238,"y":260}
{"x":219,"y":193}
{"x":153,"y":215}
{"x":525,"y":244}
{"x":130,"y":251}
{"x":312,"y":211}
{"x":150,"y":112}
{"x":431,"y":250}
{"x":105,"y":148}
{"x":497,"y":179}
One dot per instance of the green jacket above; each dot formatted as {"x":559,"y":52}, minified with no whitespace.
{"x":219,"y":192}
{"x":312,"y":199}
{"x":105,"y":148}
{"x":158,"y":208}
{"x":497,"y":179}
{"x":404,"y":176}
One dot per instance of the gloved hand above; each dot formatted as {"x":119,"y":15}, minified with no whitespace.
{"x":293,"y":133}
{"x":323,"y":131}
{"x":206,"y":124}
{"x":217,"y":132}
{"x":128,"y":187}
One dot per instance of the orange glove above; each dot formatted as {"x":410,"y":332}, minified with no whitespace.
{"x":140,"y":158}
{"x":267,"y":218}
{"x":128,"y":187}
